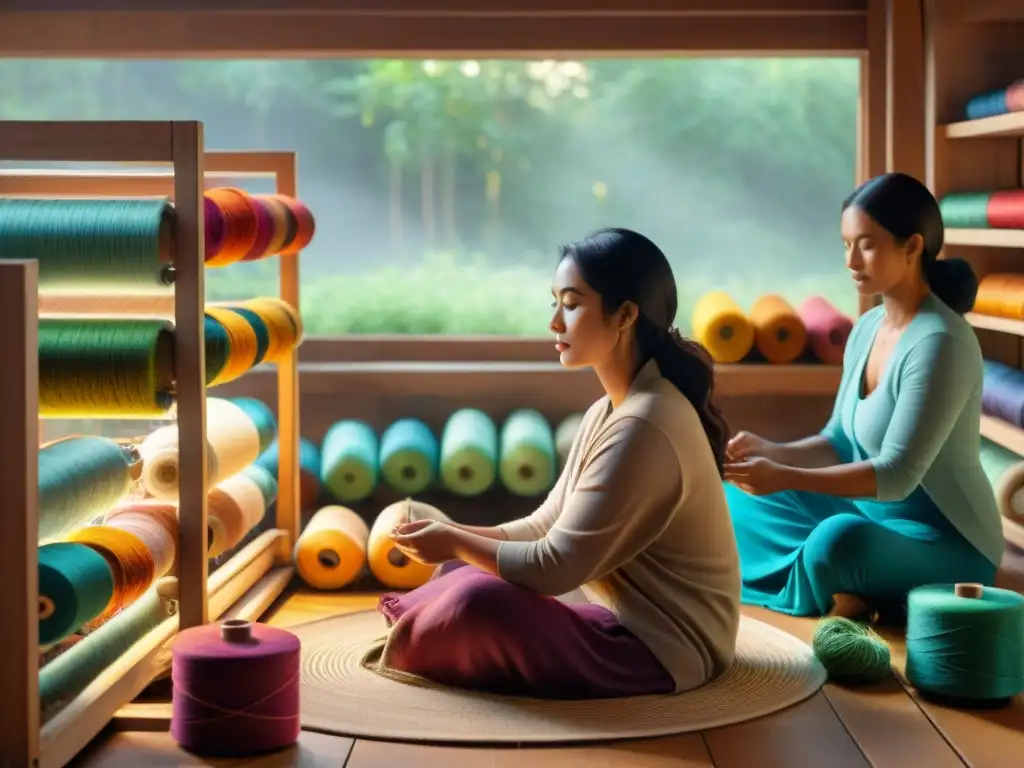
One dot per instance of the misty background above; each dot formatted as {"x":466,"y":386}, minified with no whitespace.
{"x":443,"y":189}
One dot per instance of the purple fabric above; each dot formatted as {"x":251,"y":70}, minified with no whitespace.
{"x":469,"y":629}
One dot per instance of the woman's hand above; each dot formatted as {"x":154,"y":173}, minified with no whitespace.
{"x":430,"y":542}
{"x":758,"y":476}
{"x":746,"y":445}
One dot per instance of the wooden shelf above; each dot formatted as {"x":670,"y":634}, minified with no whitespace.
{"x":1011,"y":124}
{"x":1004,"y":434}
{"x":999,"y":324}
{"x":992,"y":238}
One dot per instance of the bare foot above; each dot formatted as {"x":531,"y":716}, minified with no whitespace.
{"x":852,"y":607}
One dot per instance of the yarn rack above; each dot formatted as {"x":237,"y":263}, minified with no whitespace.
{"x":255,"y":574}
{"x":973,"y":167}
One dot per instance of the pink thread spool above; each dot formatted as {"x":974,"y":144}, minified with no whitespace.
{"x":236,"y":689}
{"x":827,"y":329}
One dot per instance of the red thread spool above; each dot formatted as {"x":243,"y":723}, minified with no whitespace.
{"x":236,"y":689}
{"x":305,"y":225}
{"x":1006,"y":209}
{"x":241,"y":225}
{"x":264,"y":231}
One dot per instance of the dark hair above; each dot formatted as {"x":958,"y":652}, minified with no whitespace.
{"x":622,"y":265}
{"x":904,"y":207}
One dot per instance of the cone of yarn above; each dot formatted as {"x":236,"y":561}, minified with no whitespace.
{"x":827,"y":329}
{"x":348,"y":460}
{"x":527,"y":453}
{"x":233,"y":443}
{"x":720,"y":325}
{"x":469,"y":452}
{"x":241,"y":225}
{"x":779,"y":334}
{"x":235,"y":689}
{"x":331,"y":553}
{"x":130,"y":561}
{"x":387,"y":563}
{"x":75,"y":586}
{"x":262,"y":417}
{"x":234,"y":507}
{"x":155,"y":524}
{"x":409,"y":455}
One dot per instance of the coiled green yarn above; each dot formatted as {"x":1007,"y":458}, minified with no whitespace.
{"x":91,"y":246}
{"x":851,"y":652}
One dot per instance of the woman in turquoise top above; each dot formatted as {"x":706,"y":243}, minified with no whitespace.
{"x":891,"y":493}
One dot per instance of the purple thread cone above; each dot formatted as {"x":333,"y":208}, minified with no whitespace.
{"x":234,"y":699}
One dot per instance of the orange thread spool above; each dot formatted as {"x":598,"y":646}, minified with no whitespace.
{"x":241,"y":225}
{"x":130,"y":561}
{"x":305,"y":225}
{"x":779,"y":333}
{"x":153,"y":520}
{"x":1001,"y":295}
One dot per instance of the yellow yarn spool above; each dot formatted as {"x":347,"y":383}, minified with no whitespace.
{"x":283,"y":322}
{"x":233,"y":444}
{"x":331,"y":553}
{"x":242,"y":342}
{"x":721,"y":326}
{"x":130,"y":561}
{"x":387,"y":563}
{"x":779,"y":333}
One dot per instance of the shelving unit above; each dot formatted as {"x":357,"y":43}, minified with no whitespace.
{"x":967,"y":54}
{"x":249,"y":581}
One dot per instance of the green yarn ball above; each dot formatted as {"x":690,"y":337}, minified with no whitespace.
{"x":851,"y":652}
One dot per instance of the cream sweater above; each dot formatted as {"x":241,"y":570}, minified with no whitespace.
{"x":638,"y":520}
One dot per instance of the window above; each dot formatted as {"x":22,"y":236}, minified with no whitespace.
{"x":442,"y":189}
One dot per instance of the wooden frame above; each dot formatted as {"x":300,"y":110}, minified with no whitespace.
{"x":254,"y":576}
{"x":964,"y":58}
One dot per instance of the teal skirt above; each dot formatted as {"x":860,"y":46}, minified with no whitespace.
{"x":799,"y":549}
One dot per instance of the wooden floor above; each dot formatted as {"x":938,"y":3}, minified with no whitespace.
{"x":885,"y":726}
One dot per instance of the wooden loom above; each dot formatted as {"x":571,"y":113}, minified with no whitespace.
{"x":255,"y":575}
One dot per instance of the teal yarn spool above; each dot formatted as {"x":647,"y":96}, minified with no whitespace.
{"x":218,"y":348}
{"x":851,"y":652}
{"x":79,"y":478}
{"x":75,"y":586}
{"x":259,"y":328}
{"x":469,"y":452}
{"x":262,"y":417}
{"x":965,"y":643}
{"x":348,"y":460}
{"x":527,"y":464}
{"x":91,"y":246}
{"x":105,"y":368}
{"x":409,"y":455}
{"x":967,"y":210}
{"x":263,"y":480}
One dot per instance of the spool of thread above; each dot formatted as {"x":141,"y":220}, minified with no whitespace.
{"x":966,"y":210}
{"x":243,"y":343}
{"x":965,"y":642}
{"x":235,"y":689}
{"x":241,"y":225}
{"x":234,"y":507}
{"x":214,"y":223}
{"x":309,"y":469}
{"x":527,"y":445}
{"x":565,"y":436}
{"x":851,"y":652}
{"x":79,"y":478}
{"x":827,"y":329}
{"x":305,"y":226}
{"x":1015,"y":96}
{"x":987,"y":104}
{"x":131,"y":563}
{"x":155,"y":524}
{"x":1006,"y":209}
{"x":1002,"y":393}
{"x":387,"y":563}
{"x":233,"y":442}
{"x":469,"y":452}
{"x":94,"y":247}
{"x":331,"y":552}
{"x":409,"y":456}
{"x":67,"y":675}
{"x":779,"y":334}
{"x":1001,"y":295}
{"x":722,"y":327}
{"x":284,"y":222}
{"x":264,"y":230}
{"x":261,"y":415}
{"x":75,"y":586}
{"x":1005,"y":470}
{"x":102,"y":368}
{"x":348,"y":460}
{"x":283,"y":323}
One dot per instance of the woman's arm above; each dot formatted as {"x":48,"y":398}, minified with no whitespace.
{"x":812,"y":452}
{"x":494,"y":532}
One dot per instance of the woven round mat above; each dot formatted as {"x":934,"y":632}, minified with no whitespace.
{"x":773,"y":670}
